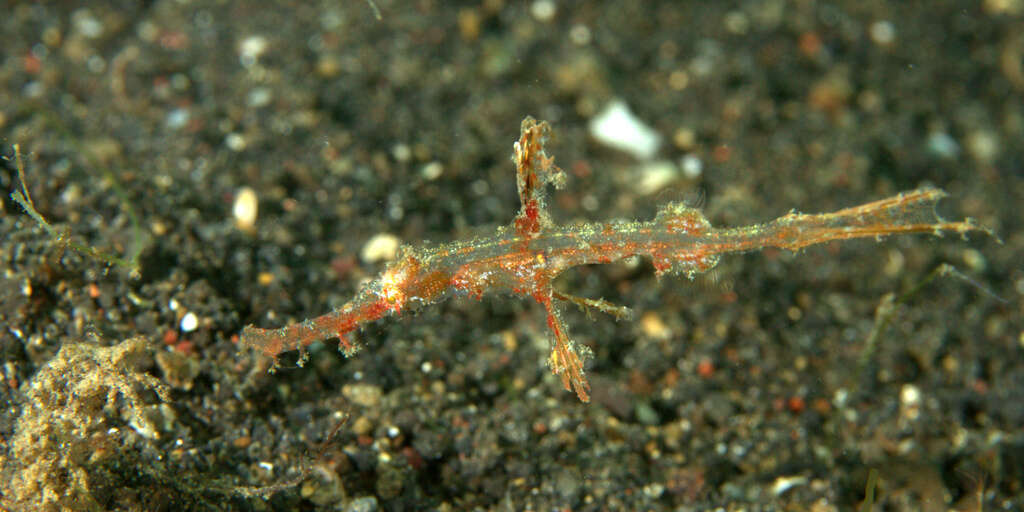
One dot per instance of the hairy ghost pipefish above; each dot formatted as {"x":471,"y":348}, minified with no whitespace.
{"x":525,"y":257}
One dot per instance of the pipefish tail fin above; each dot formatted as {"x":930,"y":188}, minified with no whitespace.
{"x":904,"y":213}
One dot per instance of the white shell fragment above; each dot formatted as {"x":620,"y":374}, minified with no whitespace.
{"x":617,"y":127}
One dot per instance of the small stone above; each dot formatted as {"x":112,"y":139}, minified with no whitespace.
{"x":618,"y":128}
{"x":975,"y":260}
{"x":363,"y":504}
{"x":189,"y":322}
{"x":785,"y":483}
{"x":942,"y":145}
{"x":432,"y":171}
{"x":692,"y":166}
{"x":328,"y":66}
{"x":365,"y":395}
{"x":307,"y":490}
{"x":983,"y":145}
{"x":653,"y":326}
{"x":883,"y":33}
{"x":655,"y":176}
{"x":382,"y":247}
{"x":245,"y":209}
{"x":235,"y":141}
{"x":86,"y":24}
{"x":910,"y":395}
{"x":910,"y":401}
{"x":469,"y":24}
{"x":251,"y":48}
{"x":654,"y":490}
{"x":259,"y":97}
{"x":362,"y":426}
{"x":177,"y":118}
{"x":736,"y":22}
{"x":401,"y":152}
{"x":580,"y":35}
{"x":543,"y":10}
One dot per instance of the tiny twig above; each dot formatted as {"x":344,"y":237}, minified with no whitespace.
{"x":375,"y":9}
{"x":24,"y":199}
{"x":585,"y":304}
{"x":888,"y":306}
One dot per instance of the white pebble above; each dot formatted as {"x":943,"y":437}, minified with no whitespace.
{"x":177,"y":118}
{"x":382,"y":247}
{"x":245,"y":209}
{"x":983,"y":145}
{"x":910,"y":402}
{"x":252,"y":47}
{"x":655,"y":176}
{"x":432,"y":171}
{"x":260,"y":97}
{"x":883,"y":32}
{"x":543,"y":10}
{"x":86,"y":24}
{"x":618,"y":128}
{"x":692,"y":166}
{"x":189,"y":322}
{"x":235,"y":141}
{"x":580,"y":35}
{"x":401,"y":152}
{"x":785,"y":483}
{"x":943,"y":145}
{"x":910,"y":395}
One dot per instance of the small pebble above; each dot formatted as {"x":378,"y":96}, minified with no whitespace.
{"x":883,"y":32}
{"x":235,"y":141}
{"x":362,"y":426}
{"x":177,"y":118}
{"x":942,"y":145}
{"x":983,"y":145}
{"x":692,"y":166}
{"x":618,"y":128}
{"x":543,"y":10}
{"x":401,"y":152}
{"x":86,"y":24}
{"x":363,"y":504}
{"x":259,"y":97}
{"x":654,"y":176}
{"x":653,"y":326}
{"x":382,"y":247}
{"x":910,"y":399}
{"x":251,"y":48}
{"x":245,"y":209}
{"x":432,"y":171}
{"x":975,"y":260}
{"x":189,"y":322}
{"x":366,"y":395}
{"x":785,"y":483}
{"x":580,"y":35}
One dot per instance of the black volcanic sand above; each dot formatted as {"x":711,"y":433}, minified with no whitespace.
{"x":765,"y":385}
